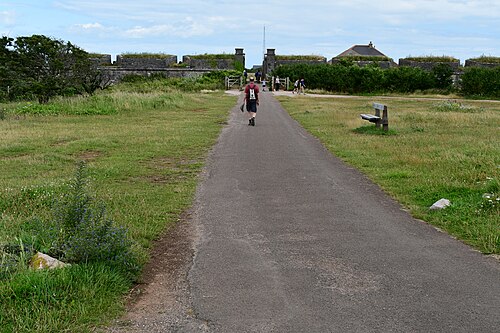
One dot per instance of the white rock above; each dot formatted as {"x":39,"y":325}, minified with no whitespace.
{"x":440,"y":204}
{"x":42,"y":261}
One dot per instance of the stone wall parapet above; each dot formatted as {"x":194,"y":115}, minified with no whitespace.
{"x":473,"y":63}
{"x":145,"y":62}
{"x":429,"y":65}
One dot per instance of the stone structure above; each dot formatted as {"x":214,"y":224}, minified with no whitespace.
{"x":476,"y":63}
{"x":165,"y":65}
{"x":136,"y":61}
{"x":220,"y":61}
{"x":115,"y":74}
{"x":271,"y":60}
{"x":269,"y":63}
{"x":363,"y":51}
{"x":358,"y":52}
{"x":429,"y":65}
{"x":101,"y":59}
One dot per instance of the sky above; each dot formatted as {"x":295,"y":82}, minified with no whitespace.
{"x":459,"y":28}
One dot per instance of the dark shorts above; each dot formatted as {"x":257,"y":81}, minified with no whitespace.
{"x":252,"y":106}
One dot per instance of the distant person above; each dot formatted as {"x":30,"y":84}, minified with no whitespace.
{"x":245,"y":74}
{"x":258,"y":76}
{"x":277,"y":83}
{"x":252,"y":100}
{"x":264,"y":84}
{"x":296,"y":87}
{"x":302,"y":86}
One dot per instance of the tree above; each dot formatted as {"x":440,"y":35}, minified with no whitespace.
{"x":6,"y":60}
{"x":50,"y":67}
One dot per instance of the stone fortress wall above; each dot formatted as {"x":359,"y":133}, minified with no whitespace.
{"x":166,"y":65}
{"x":192,"y":66}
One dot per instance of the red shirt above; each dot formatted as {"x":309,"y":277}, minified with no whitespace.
{"x":253,"y":86}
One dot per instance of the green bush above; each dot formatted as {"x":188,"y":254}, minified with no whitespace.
{"x":481,"y":82}
{"x":350,"y":78}
{"x":86,"y":234}
{"x":407,"y":79}
{"x":442,"y":76}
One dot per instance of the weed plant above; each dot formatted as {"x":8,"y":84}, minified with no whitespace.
{"x":86,"y":234}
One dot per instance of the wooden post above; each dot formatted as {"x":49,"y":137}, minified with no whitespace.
{"x":385,"y":119}
{"x":377,"y":113}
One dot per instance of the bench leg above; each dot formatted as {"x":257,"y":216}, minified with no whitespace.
{"x":385,"y":119}
{"x":377,"y":113}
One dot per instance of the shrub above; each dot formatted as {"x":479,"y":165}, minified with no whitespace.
{"x":347,"y":77}
{"x":481,"y":82}
{"x":407,"y":79}
{"x":87,"y":234}
{"x":442,"y":76}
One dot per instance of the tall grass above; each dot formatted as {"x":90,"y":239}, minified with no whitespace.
{"x":144,"y":146}
{"x":435,"y":150}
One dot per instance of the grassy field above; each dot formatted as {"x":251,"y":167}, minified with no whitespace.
{"x":434,"y":149}
{"x":144,"y":146}
{"x":143,"y":149}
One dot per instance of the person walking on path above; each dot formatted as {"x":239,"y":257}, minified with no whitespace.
{"x":252,"y":100}
{"x":277,"y":83}
{"x":302,"y":87}
{"x":296,"y":87}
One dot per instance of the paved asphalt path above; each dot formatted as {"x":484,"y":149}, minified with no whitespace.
{"x":293,"y":240}
{"x":290,"y":239}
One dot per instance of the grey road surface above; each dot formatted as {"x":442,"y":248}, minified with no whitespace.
{"x":293,"y":240}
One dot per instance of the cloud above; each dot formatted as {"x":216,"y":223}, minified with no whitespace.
{"x":7,"y":18}
{"x":90,"y":26}
{"x":186,"y":28}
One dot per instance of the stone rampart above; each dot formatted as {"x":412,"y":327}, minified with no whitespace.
{"x":138,"y":62}
{"x":101,"y":59}
{"x":208,"y":63}
{"x":115,"y":74}
{"x":474,"y":63}
{"x":429,"y":65}
{"x":281,"y":62}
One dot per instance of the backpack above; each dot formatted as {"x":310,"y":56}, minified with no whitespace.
{"x":252,"y":94}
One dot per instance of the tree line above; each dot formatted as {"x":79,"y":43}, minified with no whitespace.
{"x":39,"y":67}
{"x":347,"y":77}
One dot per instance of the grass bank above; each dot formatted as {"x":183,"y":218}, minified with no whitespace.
{"x":143,"y":148}
{"x":435,"y":149}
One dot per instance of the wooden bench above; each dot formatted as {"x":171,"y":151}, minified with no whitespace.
{"x":379,"y":121}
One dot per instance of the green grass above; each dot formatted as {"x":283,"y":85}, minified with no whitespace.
{"x":144,"y":146}
{"x":434,"y":150}
{"x":300,"y":57}
{"x":208,"y":56}
{"x":146,"y":55}
{"x":431,"y":58}
{"x":487,"y":59}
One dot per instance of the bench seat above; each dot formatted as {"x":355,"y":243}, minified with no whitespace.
{"x":371,"y":118}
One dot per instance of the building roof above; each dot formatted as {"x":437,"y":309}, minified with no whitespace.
{"x":362,"y":50}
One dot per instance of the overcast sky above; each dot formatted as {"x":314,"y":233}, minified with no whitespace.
{"x":459,"y":28}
